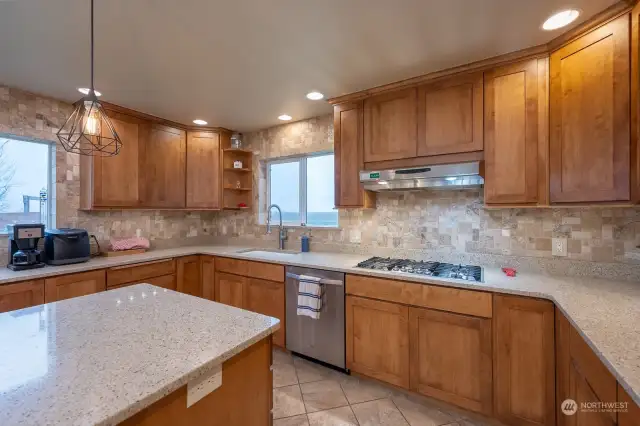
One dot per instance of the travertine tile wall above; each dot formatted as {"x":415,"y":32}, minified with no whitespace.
{"x":443,"y":222}
{"x":36,"y":117}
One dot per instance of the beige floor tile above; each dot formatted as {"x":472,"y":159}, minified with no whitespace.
{"x":287,"y":402}
{"x":312,"y":372}
{"x":381,"y":412}
{"x":281,"y":357}
{"x":362,"y":390}
{"x":300,"y":420}
{"x":342,"y":416}
{"x":422,"y":414}
{"x":284,"y":375}
{"x":322,"y":395}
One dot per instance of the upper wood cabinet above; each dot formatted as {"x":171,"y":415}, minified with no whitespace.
{"x":21,"y":295}
{"x":349,"y":157}
{"x":590,"y":118}
{"x":74,"y":285}
{"x":524,"y":364}
{"x":204,"y":170}
{"x":450,"y":116}
{"x":377,"y":335}
{"x":188,"y":276}
{"x":515,"y":129}
{"x":163,"y":166}
{"x":451,"y":358}
{"x":390,"y":126}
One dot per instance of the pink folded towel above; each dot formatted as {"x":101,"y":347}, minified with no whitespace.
{"x":129,"y":244}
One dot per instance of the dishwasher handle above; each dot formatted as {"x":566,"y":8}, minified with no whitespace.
{"x":322,"y":281}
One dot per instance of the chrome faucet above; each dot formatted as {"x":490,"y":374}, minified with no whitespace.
{"x":283,"y":231}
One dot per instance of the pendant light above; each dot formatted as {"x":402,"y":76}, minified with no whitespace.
{"x":88,"y":131}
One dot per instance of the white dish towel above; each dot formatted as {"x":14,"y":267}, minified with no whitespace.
{"x":310,"y":294}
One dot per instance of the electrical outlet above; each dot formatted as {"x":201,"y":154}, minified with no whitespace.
{"x":559,"y":246}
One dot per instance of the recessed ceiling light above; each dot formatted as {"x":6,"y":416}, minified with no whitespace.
{"x":560,"y":19}
{"x":200,"y":122}
{"x":315,"y":96}
{"x":284,"y":117}
{"x":85,"y":91}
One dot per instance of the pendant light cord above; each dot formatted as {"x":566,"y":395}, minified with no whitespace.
{"x":92,"y":88}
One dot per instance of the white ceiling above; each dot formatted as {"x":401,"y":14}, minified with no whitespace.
{"x":241,"y":63}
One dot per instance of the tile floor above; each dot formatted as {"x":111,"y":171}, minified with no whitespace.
{"x":307,"y":394}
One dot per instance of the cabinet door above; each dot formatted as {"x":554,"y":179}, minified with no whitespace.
{"x":582,"y":392}
{"x":631,"y":416}
{"x":267,"y":298}
{"x":164,"y":281}
{"x":511,"y":133}
{"x":21,"y":295}
{"x":524,"y":364}
{"x":390,"y":129}
{"x":450,"y":116}
{"x":229,"y":289}
{"x":207,"y":273}
{"x":589,"y":117}
{"x":377,"y":336}
{"x":451,"y":358}
{"x":188,"y":276}
{"x":204,"y":172}
{"x":74,"y":285}
{"x":348,"y":156}
{"x":164,"y":167}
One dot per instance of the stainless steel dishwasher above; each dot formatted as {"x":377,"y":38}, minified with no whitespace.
{"x":321,"y":339}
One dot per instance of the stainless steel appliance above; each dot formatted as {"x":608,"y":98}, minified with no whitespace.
{"x":23,"y":246}
{"x":435,"y":269}
{"x":321,"y":339}
{"x":66,"y":245}
{"x":442,"y":176}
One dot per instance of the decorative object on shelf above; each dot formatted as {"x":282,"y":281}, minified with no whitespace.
{"x":237,"y":164}
{"x":236,"y":141}
{"x":88,"y":130}
{"x":242,"y":205}
{"x":238,"y":184}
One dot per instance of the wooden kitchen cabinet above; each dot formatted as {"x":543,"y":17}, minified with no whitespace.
{"x":188,"y":275}
{"x":390,"y":126}
{"x":524,"y":363}
{"x":74,"y":285}
{"x":450,"y":116}
{"x":267,"y":298}
{"x":163,"y":162}
{"x":349,"y":157}
{"x":204,"y":170}
{"x":229,"y":289}
{"x":515,"y":130}
{"x":630,"y":417}
{"x":590,"y":117}
{"x":207,"y":273}
{"x":21,"y":295}
{"x":139,"y":272}
{"x":377,"y":337}
{"x":450,"y":358}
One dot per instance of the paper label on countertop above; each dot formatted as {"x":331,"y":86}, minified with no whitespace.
{"x":202,"y":386}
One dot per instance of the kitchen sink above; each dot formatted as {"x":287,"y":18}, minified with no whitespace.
{"x":269,"y":252}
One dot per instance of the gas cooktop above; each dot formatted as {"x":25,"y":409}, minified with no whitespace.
{"x":435,"y":269}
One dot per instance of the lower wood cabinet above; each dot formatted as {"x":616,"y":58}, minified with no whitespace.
{"x":21,"y":295}
{"x":524,"y":364}
{"x":630,"y":417}
{"x":74,"y":285}
{"x":450,"y":358}
{"x":207,"y":274}
{"x":188,"y":275}
{"x":229,"y":289}
{"x":267,"y":298}
{"x":377,"y":335}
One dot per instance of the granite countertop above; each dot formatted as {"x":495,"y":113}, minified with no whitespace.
{"x":606,"y":312}
{"x":101,"y":358}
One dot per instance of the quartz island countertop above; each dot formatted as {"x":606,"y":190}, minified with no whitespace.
{"x":101,"y":358}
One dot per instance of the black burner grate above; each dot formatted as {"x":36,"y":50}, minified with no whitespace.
{"x":437,"y":269}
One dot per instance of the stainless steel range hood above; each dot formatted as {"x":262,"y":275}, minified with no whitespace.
{"x":442,"y":176}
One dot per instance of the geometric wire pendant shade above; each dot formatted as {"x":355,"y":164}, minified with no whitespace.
{"x":88,"y":131}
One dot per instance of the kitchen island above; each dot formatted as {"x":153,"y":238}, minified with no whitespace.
{"x":138,"y":355}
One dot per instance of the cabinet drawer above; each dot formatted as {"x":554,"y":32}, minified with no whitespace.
{"x":476,"y":303}
{"x":139,"y":272}
{"x":164,"y":281}
{"x":21,"y":295}
{"x":248,"y":268}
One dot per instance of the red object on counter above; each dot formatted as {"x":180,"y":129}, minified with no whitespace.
{"x":510,"y":272}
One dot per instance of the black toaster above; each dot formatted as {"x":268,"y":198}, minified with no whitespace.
{"x":66,"y":245}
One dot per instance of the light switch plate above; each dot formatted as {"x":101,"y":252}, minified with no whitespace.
{"x":559,"y":246}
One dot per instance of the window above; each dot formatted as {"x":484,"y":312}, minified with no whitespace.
{"x":25,"y":182}
{"x":303,"y":188}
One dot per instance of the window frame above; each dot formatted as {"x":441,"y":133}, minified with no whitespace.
{"x":302,"y":167}
{"x":51,"y":217}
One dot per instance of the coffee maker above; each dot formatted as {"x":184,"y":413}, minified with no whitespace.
{"x":23,"y":246}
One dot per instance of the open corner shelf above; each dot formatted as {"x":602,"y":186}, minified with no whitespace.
{"x":233,"y":169}
{"x":231,"y":188}
{"x":238,"y":150}
{"x":236,"y":208}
